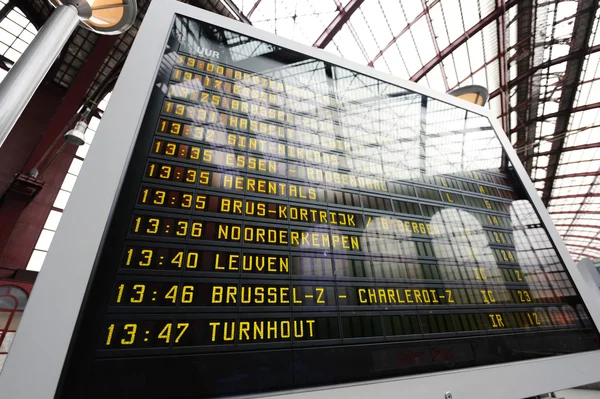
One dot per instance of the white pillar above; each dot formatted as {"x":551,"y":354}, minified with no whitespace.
{"x":27,"y":73}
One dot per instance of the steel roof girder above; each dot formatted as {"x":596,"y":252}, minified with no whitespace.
{"x":337,"y":23}
{"x":584,"y":23}
{"x":493,"y":16}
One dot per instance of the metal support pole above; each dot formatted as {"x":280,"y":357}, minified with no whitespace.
{"x":25,"y":76}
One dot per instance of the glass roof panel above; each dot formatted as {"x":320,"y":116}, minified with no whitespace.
{"x":421,"y":34}
{"x":449,"y":66}
{"x":406,"y":45}
{"x":487,"y":6}
{"x":368,"y":41}
{"x":535,"y":72}
{"x":588,"y":92}
{"x":469,"y":11}
{"x":480,"y":78}
{"x":395,"y":15}
{"x":452,"y":19}
{"x":595,"y":37}
{"x":495,"y":105}
{"x":435,"y":79}
{"x":439,"y":25}
{"x":382,"y":64}
{"x":462,"y":62}
{"x":348,"y":46}
{"x":395,"y":61}
{"x":378,"y":24}
{"x":411,"y":9}
{"x":476,"y":56}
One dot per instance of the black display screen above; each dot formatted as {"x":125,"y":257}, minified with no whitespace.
{"x":287,"y":223}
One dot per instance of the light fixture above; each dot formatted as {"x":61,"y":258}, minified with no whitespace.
{"x":109,"y":17}
{"x":76,"y":135}
{"x":474,"y":94}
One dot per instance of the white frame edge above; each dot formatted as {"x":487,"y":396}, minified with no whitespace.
{"x":34,"y":365}
{"x":35,"y":362}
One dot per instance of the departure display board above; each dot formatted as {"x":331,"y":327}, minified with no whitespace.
{"x":287,"y":223}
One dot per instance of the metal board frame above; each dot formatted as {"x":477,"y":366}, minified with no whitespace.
{"x":34,"y":365}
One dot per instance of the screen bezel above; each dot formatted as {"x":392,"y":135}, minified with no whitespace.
{"x":35,"y":363}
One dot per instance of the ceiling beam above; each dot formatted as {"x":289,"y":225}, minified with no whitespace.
{"x":547,"y":64}
{"x":576,"y":196}
{"x":558,"y":113}
{"x":582,"y":246}
{"x":461,"y":40}
{"x":578,"y":225}
{"x":584,"y":200}
{"x":580,"y":254}
{"x":64,"y":119}
{"x":435,"y":44}
{"x":7,"y":8}
{"x":337,"y":23}
{"x":569,"y":212}
{"x":502,"y":66}
{"x":34,"y":16}
{"x":572,"y":186}
{"x":595,"y":238}
{"x":573,"y":148}
{"x":403,"y":31}
{"x":253,"y":8}
{"x":525,"y":40}
{"x":469,"y":76}
{"x":233,"y":8}
{"x":569,"y":176}
{"x":583,"y":27}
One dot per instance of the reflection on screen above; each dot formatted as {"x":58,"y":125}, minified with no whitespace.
{"x":288,"y":223}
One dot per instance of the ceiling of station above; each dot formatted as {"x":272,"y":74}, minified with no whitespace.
{"x":539,"y":60}
{"x":542,"y":74}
